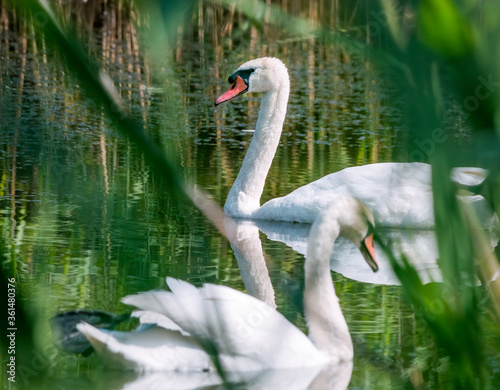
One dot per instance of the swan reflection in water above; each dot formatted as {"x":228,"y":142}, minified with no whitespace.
{"x":419,"y":246}
{"x":334,"y":377}
{"x":253,"y":342}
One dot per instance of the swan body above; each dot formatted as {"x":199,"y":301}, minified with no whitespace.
{"x":246,"y":333}
{"x":399,"y":194}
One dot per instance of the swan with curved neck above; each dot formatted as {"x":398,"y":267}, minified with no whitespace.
{"x":269,"y":76}
{"x":247,"y":333}
{"x":399,"y":194}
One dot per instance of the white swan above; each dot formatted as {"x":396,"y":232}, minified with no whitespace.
{"x":248,"y":334}
{"x":399,"y":194}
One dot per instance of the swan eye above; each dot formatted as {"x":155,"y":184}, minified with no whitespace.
{"x":371,"y":228}
{"x":244,"y":74}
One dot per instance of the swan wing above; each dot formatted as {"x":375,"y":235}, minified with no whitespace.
{"x":150,"y":317}
{"x":247,"y":333}
{"x":149,"y":348}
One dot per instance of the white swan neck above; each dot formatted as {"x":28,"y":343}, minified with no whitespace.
{"x":244,"y":197}
{"x":327,"y":326}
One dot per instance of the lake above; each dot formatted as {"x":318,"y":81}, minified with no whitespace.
{"x":84,"y":221}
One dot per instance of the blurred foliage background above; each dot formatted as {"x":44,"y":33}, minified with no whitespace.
{"x":107,"y":113}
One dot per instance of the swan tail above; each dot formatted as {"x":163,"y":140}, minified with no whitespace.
{"x":106,"y":346}
{"x":69,"y":339}
{"x":147,"y":349}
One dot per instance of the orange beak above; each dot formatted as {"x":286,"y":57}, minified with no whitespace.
{"x":368,"y":252}
{"x":237,"y":88}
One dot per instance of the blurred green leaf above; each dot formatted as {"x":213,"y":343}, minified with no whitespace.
{"x":444,"y":29}
{"x":393,"y":15}
{"x":456,"y":258}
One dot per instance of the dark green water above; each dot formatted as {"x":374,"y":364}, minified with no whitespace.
{"x":84,"y":223}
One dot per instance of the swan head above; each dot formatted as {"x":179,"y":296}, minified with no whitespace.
{"x":258,"y":75}
{"x":351,"y":219}
{"x":361,"y":232}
